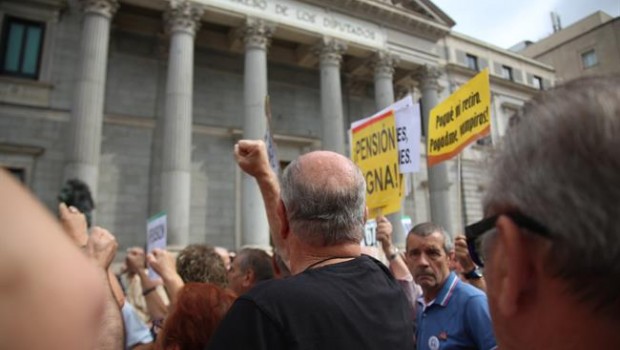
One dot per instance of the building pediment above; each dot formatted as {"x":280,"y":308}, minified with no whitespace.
{"x":426,"y":9}
{"x":419,"y":17}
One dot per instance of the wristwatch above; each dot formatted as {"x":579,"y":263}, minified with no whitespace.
{"x":393,"y":254}
{"x":474,"y":274}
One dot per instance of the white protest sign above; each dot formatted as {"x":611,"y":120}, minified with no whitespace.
{"x":370,"y":234}
{"x":269,"y":143}
{"x":408,"y":132}
{"x":272,"y":152}
{"x":407,"y":224}
{"x":156,"y":228}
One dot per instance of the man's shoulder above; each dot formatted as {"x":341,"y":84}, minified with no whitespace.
{"x":466,"y":291}
{"x":470,"y":300}
{"x":267,"y":294}
{"x":272,"y":289}
{"x":317,"y":284}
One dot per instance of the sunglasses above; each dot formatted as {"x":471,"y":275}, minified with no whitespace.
{"x":475,"y":232}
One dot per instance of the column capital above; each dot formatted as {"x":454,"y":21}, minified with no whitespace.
{"x":256,"y":33}
{"x":383,"y":63}
{"x":106,"y":8}
{"x":330,"y":51}
{"x":403,"y":90}
{"x":427,"y":76}
{"x":183,"y":16}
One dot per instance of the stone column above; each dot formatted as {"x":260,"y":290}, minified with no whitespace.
{"x":182,"y":22}
{"x":88,"y":99}
{"x":330,"y":54}
{"x":438,"y":180}
{"x":256,"y":35}
{"x":383,"y":64}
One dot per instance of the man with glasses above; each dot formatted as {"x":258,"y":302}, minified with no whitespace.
{"x":451,"y":314}
{"x":550,"y":242}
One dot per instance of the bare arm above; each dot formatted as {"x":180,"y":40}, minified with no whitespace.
{"x":158,"y":310}
{"x":397,"y":263}
{"x":251,"y":155}
{"x":136,"y":263}
{"x":163,"y":263}
{"x":101,"y":248}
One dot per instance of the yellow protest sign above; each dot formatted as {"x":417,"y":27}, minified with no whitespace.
{"x":375,"y":151}
{"x":460,"y":119}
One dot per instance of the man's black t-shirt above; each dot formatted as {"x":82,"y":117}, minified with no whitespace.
{"x":355,"y":304}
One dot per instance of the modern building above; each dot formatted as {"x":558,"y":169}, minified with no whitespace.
{"x":144,"y":100}
{"x":590,"y":46}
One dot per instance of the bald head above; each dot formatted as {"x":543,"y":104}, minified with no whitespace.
{"x":328,"y":170}
{"x":324,"y":196}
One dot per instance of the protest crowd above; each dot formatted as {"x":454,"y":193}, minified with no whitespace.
{"x":540,"y":271}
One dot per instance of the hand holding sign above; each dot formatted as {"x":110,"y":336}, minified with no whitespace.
{"x":384,"y":234}
{"x":156,"y":228}
{"x":162,"y":262}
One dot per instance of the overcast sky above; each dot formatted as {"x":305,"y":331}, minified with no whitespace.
{"x":507,"y":22}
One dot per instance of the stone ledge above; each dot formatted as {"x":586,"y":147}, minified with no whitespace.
{"x":25,"y":92}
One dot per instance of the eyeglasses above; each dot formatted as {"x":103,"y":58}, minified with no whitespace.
{"x":475,"y":232}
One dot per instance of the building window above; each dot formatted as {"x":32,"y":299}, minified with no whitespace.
{"x":22,"y":43}
{"x":472,"y":62}
{"x":589,"y":59}
{"x":507,"y":73}
{"x":537,"y":81}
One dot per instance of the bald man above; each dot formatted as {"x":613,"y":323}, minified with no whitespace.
{"x":336,"y":298}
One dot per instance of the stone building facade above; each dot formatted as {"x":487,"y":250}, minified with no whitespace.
{"x":144,"y":100}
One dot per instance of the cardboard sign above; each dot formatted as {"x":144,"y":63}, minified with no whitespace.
{"x":370,"y":234}
{"x":156,"y":230}
{"x":271,"y":145}
{"x":407,"y":224}
{"x":370,"y":231}
{"x":460,"y":119}
{"x":272,"y":152}
{"x":408,"y":134}
{"x":375,"y":151}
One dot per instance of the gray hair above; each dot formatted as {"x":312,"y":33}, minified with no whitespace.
{"x":323,"y":215}
{"x":428,"y":228}
{"x":560,"y":164}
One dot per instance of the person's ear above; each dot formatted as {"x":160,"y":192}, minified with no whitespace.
{"x":284,"y":227}
{"x":512,"y":267}
{"x":248,"y":278}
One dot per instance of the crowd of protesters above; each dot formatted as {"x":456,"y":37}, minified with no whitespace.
{"x":540,"y":271}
